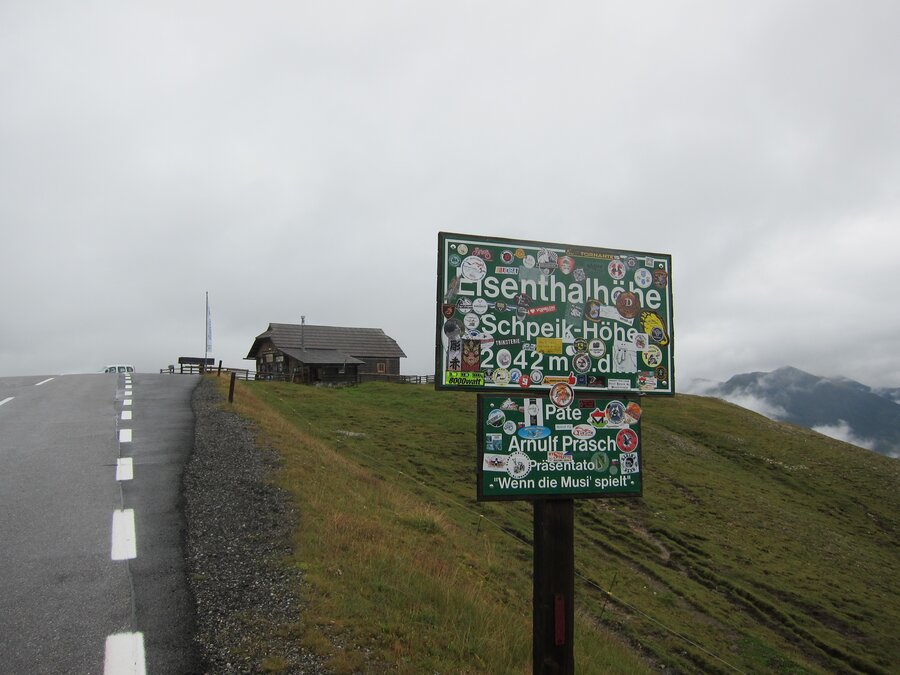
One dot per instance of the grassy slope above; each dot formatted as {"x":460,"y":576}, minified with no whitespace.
{"x":757,"y":546}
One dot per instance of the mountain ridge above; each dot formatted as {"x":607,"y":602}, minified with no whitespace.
{"x":838,"y":407}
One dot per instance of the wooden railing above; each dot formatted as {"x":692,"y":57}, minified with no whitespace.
{"x":250,"y":375}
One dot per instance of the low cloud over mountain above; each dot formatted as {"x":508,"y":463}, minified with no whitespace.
{"x":837,"y":407}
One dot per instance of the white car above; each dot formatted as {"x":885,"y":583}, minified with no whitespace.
{"x":119,"y":368}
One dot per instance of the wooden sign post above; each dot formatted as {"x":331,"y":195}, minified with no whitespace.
{"x":554,"y":587}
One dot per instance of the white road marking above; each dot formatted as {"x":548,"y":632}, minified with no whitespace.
{"x":7,"y":400}
{"x":125,"y":655}
{"x":124,"y":468}
{"x":124,"y":538}
{"x":127,"y":401}
{"x":124,"y":435}
{"x":126,"y":414}
{"x":44,"y":382}
{"x":127,"y":386}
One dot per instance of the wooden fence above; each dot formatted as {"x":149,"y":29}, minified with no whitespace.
{"x":249,"y":375}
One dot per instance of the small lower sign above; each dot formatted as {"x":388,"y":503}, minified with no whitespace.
{"x":562,"y":445}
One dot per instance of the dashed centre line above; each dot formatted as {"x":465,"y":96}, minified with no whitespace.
{"x":7,"y":400}
{"x":125,"y":655}
{"x":125,"y":468}
{"x":124,"y":537}
{"x":124,"y":651}
{"x":44,"y":382}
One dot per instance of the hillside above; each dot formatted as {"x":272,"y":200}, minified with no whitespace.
{"x":757,"y":546}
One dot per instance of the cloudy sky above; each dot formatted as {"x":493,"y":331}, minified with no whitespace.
{"x":299,"y":158}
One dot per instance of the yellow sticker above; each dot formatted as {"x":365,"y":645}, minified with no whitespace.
{"x":549,"y":345}
{"x":475,"y":379}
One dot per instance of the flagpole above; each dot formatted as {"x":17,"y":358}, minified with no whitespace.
{"x":206,"y":336}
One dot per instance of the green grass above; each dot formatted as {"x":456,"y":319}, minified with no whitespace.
{"x":757,"y":547}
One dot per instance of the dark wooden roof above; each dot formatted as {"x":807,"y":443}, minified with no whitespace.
{"x":357,"y":342}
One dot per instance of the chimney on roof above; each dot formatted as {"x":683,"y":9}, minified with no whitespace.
{"x":302,"y":337}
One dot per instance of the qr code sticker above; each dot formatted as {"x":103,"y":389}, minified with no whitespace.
{"x":629,"y":463}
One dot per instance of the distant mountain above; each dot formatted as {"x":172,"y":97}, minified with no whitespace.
{"x":837,"y":407}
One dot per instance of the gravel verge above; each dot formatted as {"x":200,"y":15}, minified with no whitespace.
{"x":238,"y":529}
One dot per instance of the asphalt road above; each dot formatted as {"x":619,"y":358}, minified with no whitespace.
{"x":80,"y":590}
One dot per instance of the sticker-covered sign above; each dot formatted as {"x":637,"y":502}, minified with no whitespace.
{"x":526,"y":315}
{"x":538,"y":447}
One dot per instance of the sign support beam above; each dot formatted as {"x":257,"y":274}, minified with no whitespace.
{"x":554,"y":587}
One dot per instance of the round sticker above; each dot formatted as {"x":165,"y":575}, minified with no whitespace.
{"x":632,"y":413}
{"x":454,"y":260}
{"x":581,"y":345}
{"x":628,"y":305}
{"x":501,"y":376}
{"x":643,"y":277}
{"x":562,"y":395}
{"x":474,"y":268}
{"x":487,"y":340}
{"x":471,"y":321}
{"x":627,"y":440}
{"x":615,"y":413}
{"x":581,"y":362}
{"x":596,"y":348}
{"x":462,"y":249}
{"x":464,"y":305}
{"x":593,"y":310}
{"x":566,"y":264}
{"x":529,"y":261}
{"x":617,"y":269}
{"x":537,"y":376}
{"x":504,"y":358}
{"x":496,"y":418}
{"x":525,"y":381}
{"x":652,"y":356}
{"x":480,"y":305}
{"x":509,"y":427}
{"x":518,"y":465}
{"x":601,"y":462}
{"x":660,"y":278}
{"x":507,"y":257}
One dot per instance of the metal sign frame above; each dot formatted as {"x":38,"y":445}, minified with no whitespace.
{"x":520,"y":314}
{"x":529,"y":447}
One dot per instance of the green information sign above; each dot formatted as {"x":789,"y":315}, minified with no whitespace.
{"x":564,"y":446}
{"x":525,"y":315}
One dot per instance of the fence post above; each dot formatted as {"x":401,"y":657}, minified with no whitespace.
{"x":231,"y":388}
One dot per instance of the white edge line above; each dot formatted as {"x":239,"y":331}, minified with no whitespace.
{"x":124,"y":468}
{"x":125,"y":655}
{"x":124,"y":539}
{"x":126,"y":414}
{"x":44,"y":382}
{"x":124,"y":435}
